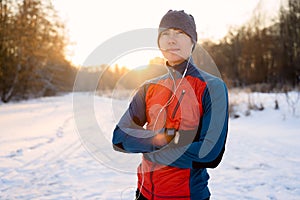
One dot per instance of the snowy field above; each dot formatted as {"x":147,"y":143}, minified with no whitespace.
{"x":48,"y":150}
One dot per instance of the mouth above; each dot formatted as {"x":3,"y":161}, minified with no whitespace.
{"x":173,"y":50}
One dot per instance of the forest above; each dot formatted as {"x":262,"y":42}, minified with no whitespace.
{"x":259,"y":54}
{"x":33,"y":45}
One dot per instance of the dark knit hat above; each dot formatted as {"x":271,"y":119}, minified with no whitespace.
{"x":179,"y":20}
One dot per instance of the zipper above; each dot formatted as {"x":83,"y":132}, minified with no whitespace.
{"x":151,"y":180}
{"x":178,"y":104}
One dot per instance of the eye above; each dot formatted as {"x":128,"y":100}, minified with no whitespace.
{"x":165,"y":33}
{"x":178,"y":32}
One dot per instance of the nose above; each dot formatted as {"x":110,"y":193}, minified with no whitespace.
{"x":171,"y":39}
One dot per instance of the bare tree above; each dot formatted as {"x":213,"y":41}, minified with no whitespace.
{"x":290,"y":41}
{"x":32,"y":61}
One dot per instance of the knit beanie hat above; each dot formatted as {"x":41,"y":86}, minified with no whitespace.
{"x":179,"y":20}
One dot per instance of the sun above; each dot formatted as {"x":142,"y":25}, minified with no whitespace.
{"x":137,"y":59}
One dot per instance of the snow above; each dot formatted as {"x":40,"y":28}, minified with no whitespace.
{"x":50,"y":148}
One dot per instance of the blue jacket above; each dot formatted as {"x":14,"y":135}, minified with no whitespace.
{"x":195,"y":109}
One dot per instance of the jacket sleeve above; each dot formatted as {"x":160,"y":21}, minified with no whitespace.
{"x":129,"y":136}
{"x":207,"y":149}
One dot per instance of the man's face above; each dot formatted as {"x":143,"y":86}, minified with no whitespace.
{"x":175,"y":45}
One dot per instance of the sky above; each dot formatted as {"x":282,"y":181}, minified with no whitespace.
{"x":92,"y":22}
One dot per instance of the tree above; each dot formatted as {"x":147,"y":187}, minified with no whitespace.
{"x":8,"y":68}
{"x":33,"y":47}
{"x":289,"y":24}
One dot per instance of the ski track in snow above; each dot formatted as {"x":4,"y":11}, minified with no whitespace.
{"x":43,"y":157}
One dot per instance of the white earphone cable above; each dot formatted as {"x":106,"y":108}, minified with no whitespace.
{"x":163,"y":107}
{"x":173,"y":94}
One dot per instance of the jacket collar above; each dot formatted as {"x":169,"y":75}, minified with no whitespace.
{"x":180,"y":67}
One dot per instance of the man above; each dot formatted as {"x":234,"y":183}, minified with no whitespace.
{"x":178,"y":121}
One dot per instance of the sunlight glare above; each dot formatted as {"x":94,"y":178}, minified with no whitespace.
{"x":136,"y":59}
